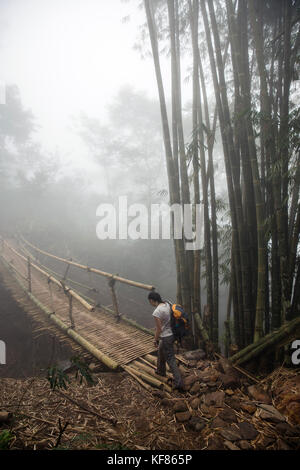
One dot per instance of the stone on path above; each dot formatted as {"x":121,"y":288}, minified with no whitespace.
{"x":258,"y":394}
{"x":182,"y":417}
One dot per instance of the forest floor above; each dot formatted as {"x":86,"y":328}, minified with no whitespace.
{"x":117,"y":413}
{"x":220,"y":409}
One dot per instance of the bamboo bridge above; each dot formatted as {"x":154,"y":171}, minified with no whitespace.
{"x":103,"y":333}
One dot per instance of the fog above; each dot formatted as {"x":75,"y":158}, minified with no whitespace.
{"x":81,"y":126}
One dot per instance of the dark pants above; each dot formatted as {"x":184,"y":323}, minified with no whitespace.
{"x":166,"y":354}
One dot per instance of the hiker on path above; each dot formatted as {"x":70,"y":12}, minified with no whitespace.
{"x":164,"y":339}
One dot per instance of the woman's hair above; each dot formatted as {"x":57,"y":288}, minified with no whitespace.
{"x":155,"y":297}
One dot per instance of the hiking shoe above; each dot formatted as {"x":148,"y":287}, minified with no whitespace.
{"x":161,"y":375}
{"x":179,"y":389}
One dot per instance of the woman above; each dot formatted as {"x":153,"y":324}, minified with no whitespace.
{"x":164,"y":339}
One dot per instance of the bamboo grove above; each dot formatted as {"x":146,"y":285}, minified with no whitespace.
{"x":244,"y":58}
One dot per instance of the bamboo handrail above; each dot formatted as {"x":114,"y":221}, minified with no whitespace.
{"x":74,"y":294}
{"x":89,"y":300}
{"x":69,"y":331}
{"x":93,"y":270}
{"x":67,"y":279}
{"x":144,"y":376}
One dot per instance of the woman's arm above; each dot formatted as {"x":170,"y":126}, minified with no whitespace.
{"x":157,"y":329}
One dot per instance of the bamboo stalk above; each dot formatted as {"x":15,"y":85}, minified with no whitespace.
{"x":153,"y":366}
{"x":202,"y":330}
{"x":147,"y":362}
{"x":149,"y":371}
{"x":153,"y":360}
{"x":147,"y":378}
{"x":269,"y":342}
{"x":153,"y":381}
{"x":138,"y":379}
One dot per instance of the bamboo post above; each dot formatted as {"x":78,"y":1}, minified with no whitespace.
{"x":67,"y":270}
{"x":29,"y":273}
{"x":111,"y":284}
{"x":71,"y":311}
{"x":201,"y":328}
{"x":70,"y":298}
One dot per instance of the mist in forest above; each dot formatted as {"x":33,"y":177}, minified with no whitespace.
{"x":80,"y":126}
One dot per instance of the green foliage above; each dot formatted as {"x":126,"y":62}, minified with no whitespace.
{"x":5,"y":438}
{"x":57,"y":378}
{"x":82,"y":371}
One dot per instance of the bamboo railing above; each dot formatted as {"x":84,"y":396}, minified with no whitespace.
{"x":88,"y":299}
{"x":142,"y":370}
{"x":67,"y":329}
{"x":50,"y":278}
{"x":110,"y":276}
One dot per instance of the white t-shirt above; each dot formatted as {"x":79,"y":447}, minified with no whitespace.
{"x":163,"y":312}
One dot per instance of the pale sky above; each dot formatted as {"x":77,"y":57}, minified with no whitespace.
{"x":71,"y":56}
